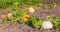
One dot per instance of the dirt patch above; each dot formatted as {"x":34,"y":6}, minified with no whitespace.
{"x":42,"y":13}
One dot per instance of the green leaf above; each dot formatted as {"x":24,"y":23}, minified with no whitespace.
{"x":36,"y":22}
{"x":4,"y":21}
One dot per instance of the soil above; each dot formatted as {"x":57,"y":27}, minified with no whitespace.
{"x":40,"y":13}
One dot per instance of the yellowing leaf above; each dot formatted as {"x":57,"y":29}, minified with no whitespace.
{"x":25,"y":18}
{"x":16,"y":3}
{"x":3,"y":16}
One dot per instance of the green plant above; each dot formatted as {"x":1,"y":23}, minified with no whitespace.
{"x":49,"y":6}
{"x":17,"y":15}
{"x":6,"y":3}
{"x":55,"y":21}
{"x":36,"y":22}
{"x":4,"y":20}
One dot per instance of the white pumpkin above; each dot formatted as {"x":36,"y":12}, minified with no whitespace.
{"x":47,"y":25}
{"x":31,"y":10}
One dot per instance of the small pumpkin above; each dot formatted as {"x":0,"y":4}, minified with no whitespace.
{"x":31,"y":10}
{"x":47,"y":25}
